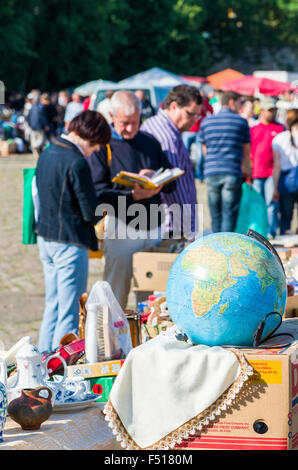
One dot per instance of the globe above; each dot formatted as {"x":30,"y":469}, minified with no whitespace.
{"x":221,"y":286}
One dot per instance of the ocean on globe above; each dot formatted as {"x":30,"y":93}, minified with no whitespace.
{"x":221,"y":286}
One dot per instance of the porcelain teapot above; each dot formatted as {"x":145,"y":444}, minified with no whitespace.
{"x":32,"y":372}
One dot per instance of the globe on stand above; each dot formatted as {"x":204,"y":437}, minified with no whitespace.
{"x":222,"y":285}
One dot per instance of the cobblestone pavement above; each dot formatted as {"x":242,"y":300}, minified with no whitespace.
{"x":21,"y":275}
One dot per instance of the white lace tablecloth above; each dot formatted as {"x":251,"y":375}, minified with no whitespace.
{"x":76,"y":430}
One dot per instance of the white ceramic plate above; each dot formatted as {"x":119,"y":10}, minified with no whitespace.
{"x":75,"y":405}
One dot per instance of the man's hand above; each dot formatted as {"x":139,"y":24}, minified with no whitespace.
{"x":275,"y":197}
{"x":139,"y":193}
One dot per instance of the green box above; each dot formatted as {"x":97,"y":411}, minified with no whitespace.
{"x":102,"y":385}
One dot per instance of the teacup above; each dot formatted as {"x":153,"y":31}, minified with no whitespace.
{"x":73,"y":389}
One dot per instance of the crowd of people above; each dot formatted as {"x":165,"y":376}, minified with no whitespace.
{"x":259,"y":134}
{"x":239,"y":139}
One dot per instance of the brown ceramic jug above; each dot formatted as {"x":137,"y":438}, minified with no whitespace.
{"x":31,"y":409}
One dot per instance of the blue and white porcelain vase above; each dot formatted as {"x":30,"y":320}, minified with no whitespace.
{"x":3,"y":409}
{"x":3,"y":397}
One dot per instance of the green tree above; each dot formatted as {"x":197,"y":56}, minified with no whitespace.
{"x":165,"y":34}
{"x":16,"y":41}
{"x":245,"y":29}
{"x":70,"y":42}
{"x":52,"y":44}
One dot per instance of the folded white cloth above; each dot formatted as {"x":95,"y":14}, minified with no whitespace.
{"x":168,"y":389}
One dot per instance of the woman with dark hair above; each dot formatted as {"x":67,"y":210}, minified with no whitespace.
{"x":285,"y":149}
{"x":65,"y":222}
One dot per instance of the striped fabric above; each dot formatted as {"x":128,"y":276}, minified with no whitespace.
{"x":169,"y":136}
{"x":224,"y":134}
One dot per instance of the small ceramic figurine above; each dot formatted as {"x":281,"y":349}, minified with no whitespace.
{"x":82,"y":315}
{"x":31,"y":408}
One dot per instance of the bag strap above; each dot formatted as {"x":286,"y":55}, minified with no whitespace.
{"x":109,"y":155}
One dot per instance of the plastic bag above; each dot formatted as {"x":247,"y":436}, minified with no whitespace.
{"x":29,"y":236}
{"x":107,"y":332}
{"x":252,"y":212}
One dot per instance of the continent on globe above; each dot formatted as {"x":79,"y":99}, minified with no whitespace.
{"x":223,"y":270}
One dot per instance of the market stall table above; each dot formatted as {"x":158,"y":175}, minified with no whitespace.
{"x":77,"y":430}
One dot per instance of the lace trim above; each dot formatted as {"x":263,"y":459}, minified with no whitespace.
{"x":190,"y":427}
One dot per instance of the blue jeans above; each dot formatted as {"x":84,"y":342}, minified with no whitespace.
{"x":190,"y":138}
{"x":224,"y":194}
{"x":287,"y":203}
{"x":65,"y":269}
{"x":265,"y":186}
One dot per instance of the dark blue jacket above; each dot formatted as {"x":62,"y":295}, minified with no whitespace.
{"x":143,"y":151}
{"x":37,"y":118}
{"x":66,"y":195}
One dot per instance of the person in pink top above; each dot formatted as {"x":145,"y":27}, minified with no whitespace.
{"x":262,"y":135}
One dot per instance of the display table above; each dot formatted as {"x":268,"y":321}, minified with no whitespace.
{"x":75,"y":430}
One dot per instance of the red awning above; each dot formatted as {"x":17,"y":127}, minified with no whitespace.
{"x":250,"y":85}
{"x":194,"y":79}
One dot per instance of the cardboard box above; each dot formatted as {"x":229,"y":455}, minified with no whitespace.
{"x":265,"y":414}
{"x":97,"y":369}
{"x":151,"y":267}
{"x":103,"y":386}
{"x":151,"y":270}
{"x":284,"y":253}
{"x":291,"y":307}
{"x":7,"y":147}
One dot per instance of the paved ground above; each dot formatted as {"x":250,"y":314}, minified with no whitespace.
{"x":21,"y":276}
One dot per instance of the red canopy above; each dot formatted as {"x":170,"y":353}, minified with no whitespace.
{"x":194,"y":79}
{"x":249,"y":85}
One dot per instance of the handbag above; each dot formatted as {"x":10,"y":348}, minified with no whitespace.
{"x":288,"y":181}
{"x":29,"y":236}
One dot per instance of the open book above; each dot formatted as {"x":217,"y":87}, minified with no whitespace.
{"x":125,"y":178}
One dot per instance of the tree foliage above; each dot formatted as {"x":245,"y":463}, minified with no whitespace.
{"x":51,"y":44}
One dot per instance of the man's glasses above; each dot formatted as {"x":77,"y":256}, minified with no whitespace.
{"x":192,"y":115}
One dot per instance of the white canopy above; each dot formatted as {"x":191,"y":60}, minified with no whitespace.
{"x":87,"y":89}
{"x":155,"y":77}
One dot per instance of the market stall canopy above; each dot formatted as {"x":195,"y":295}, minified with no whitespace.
{"x":156,"y":77}
{"x":196,"y":80}
{"x":251,"y":85}
{"x":217,"y":79}
{"x":87,"y":89}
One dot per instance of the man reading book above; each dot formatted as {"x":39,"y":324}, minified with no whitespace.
{"x":136,"y":152}
{"x":181,"y":108}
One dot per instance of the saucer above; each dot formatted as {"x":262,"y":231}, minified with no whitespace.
{"x":71,"y":405}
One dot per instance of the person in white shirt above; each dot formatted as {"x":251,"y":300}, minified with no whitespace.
{"x":285,"y":150}
{"x":73,"y":108}
{"x":105,"y":107}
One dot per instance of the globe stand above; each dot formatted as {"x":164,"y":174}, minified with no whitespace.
{"x":258,"y":342}
{"x":251,"y":233}
{"x":260,"y":328}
